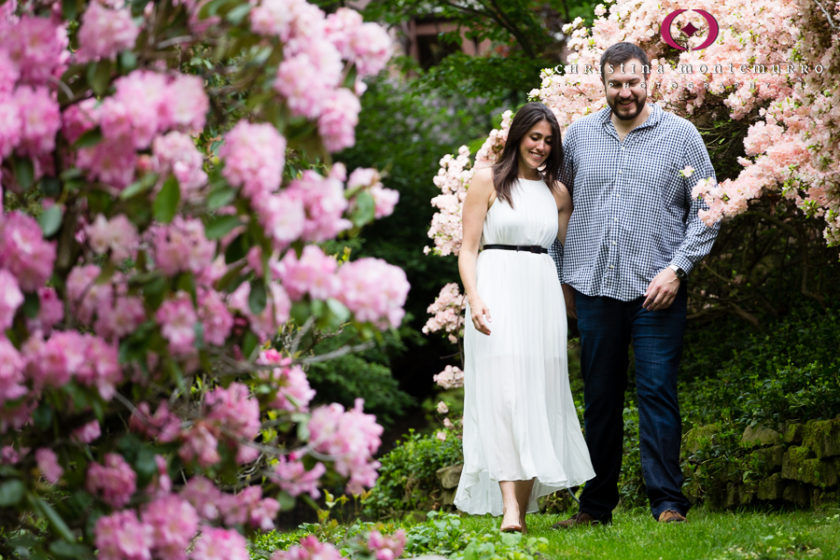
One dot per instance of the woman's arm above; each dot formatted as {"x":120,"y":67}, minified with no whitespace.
{"x":480,"y":195}
{"x":564,"y":213}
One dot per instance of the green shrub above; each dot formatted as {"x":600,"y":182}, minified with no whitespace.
{"x":407,"y":480}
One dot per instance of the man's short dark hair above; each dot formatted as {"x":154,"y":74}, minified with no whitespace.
{"x":622,"y":52}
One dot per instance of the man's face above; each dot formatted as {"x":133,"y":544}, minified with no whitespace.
{"x":625,"y":87}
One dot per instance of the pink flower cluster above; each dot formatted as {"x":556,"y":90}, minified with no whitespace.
{"x":386,"y":548}
{"x":254,"y":156}
{"x":451,"y":377}
{"x":452,"y":179}
{"x":182,"y":246}
{"x":324,"y":201}
{"x":248,"y":507}
{"x":313,"y":274}
{"x":237,"y":417}
{"x":350,"y":438}
{"x":293,"y":390}
{"x":24,"y":252}
{"x":105,"y":31}
{"x":275,"y":313}
{"x":117,"y":236}
{"x":177,"y":319}
{"x":175,"y":153}
{"x":369,"y":179}
{"x":48,"y":465}
{"x":374,"y":291}
{"x":309,"y":549}
{"x":291,"y":475}
{"x":447,"y":313}
{"x":114,"y":482}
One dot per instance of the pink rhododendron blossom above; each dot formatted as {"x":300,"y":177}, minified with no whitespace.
{"x":121,"y":536}
{"x":139,"y":109}
{"x":114,"y":482}
{"x":50,"y":311}
{"x":10,"y":298}
{"x":371,"y":48}
{"x":442,"y":408}
{"x":9,"y":455}
{"x":48,"y":465}
{"x":117,"y":235}
{"x":176,"y":153}
{"x":309,"y":549}
{"x":220,"y":544}
{"x":87,"y":433}
{"x":291,"y":475}
{"x":112,"y":162}
{"x":384,"y":199}
{"x":350,"y":438}
{"x":324,"y":200}
{"x":451,"y":377}
{"x":54,"y":361}
{"x":200,"y":444}
{"x":303,"y":86}
{"x":374,"y":291}
{"x":386,"y":548}
{"x":254,"y":156}
{"x":85,"y":296}
{"x":24,"y":252}
{"x":293,"y":390}
{"x":203,"y":495}
{"x":214,"y":316}
{"x":9,"y":73}
{"x":163,"y":425}
{"x":105,"y":32}
{"x":79,"y":118}
{"x":281,"y":215}
{"x":100,"y":367}
{"x":447,"y":313}
{"x":121,"y":319}
{"x":274,"y":314}
{"x":182,"y":246}
{"x":337,"y":122}
{"x":188,"y":102}
{"x":38,"y":46}
{"x":235,"y":410}
{"x":177,"y":319}
{"x":314,"y":273}
{"x":11,"y":372}
{"x":11,"y":125}
{"x":173,"y":522}
{"x":278,"y":18}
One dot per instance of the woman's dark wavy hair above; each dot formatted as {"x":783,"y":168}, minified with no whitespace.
{"x":506,"y":170}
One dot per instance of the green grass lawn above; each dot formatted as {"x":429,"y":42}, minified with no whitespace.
{"x":706,"y":536}
{"x":633,"y":535}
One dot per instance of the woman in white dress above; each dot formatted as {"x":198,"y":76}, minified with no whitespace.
{"x":522,"y":437}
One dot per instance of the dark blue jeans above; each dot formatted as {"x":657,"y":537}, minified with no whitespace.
{"x":607,"y":328}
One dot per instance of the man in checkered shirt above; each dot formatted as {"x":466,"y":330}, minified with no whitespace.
{"x":633,"y":237}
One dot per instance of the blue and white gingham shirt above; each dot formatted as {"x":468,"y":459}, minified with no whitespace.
{"x":633,"y":211}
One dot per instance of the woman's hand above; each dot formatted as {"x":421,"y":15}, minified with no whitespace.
{"x":480,"y":315}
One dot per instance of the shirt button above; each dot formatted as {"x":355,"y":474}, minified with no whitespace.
{"x":611,"y":267}
{"x":619,"y":171}
{"x":615,"y":219}
{"x":613,"y":242}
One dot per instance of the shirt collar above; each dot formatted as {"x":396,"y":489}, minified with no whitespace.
{"x":653,"y":119}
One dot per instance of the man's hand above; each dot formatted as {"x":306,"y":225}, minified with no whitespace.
{"x":569,"y":297}
{"x":662,"y":290}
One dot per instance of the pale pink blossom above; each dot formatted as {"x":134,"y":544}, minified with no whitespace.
{"x":10,"y":298}
{"x":182,"y":246}
{"x":325,"y":203}
{"x":254,"y":156}
{"x":11,"y":124}
{"x":163,"y":425}
{"x":85,"y":295}
{"x":111,"y":161}
{"x":9,"y":73}
{"x":200,"y":444}
{"x":48,"y":465}
{"x":173,"y":522}
{"x":114,"y":482}
{"x":293,"y":390}
{"x":203,"y":496}
{"x":235,"y":410}
{"x":314,"y":273}
{"x":24,"y":252}
{"x":50,"y":311}
{"x":374,"y":291}
{"x":451,"y":377}
{"x":386,"y":548}
{"x":120,"y":319}
{"x":121,"y":536}
{"x":275,"y":313}
{"x":292,"y":477}
{"x":188,"y":102}
{"x":442,"y":408}
{"x":214,"y":316}
{"x":337,"y":122}
{"x":117,"y":235}
{"x":87,"y":432}
{"x":220,"y":544}
{"x":79,"y":118}
{"x":11,"y":372}
{"x":281,"y":215}
{"x":38,"y":46}
{"x":139,"y":109}
{"x":176,"y":153}
{"x":309,"y":549}
{"x":105,"y":32}
{"x":177,"y":319}
{"x":447,"y":313}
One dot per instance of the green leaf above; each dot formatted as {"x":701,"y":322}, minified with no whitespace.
{"x":338,"y":313}
{"x":365,"y":209}
{"x":69,"y":9}
{"x":143,"y":184}
{"x":236,"y":15}
{"x":55,"y":519}
{"x":89,"y":138}
{"x":11,"y":492}
{"x":65,"y":549}
{"x":31,"y":305}
{"x":51,"y":187}
{"x":219,"y":226}
{"x":249,"y":344}
{"x":300,"y":312}
{"x":153,"y":292}
{"x":286,"y":501}
{"x":257,"y":298}
{"x":99,"y":75}
{"x":24,"y":172}
{"x":128,"y":60}
{"x":166,"y":202}
{"x":237,"y":249}
{"x":50,"y":220}
{"x":220,"y":196}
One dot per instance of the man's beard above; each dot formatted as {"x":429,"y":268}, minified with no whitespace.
{"x":639,"y":104}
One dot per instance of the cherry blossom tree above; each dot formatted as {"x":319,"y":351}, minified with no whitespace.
{"x":167,"y":177}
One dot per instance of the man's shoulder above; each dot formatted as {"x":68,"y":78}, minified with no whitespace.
{"x":587,"y":122}
{"x":678,"y":123}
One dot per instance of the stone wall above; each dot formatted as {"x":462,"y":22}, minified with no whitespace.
{"x":798,"y":465}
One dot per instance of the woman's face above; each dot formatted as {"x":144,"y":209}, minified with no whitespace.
{"x":535,"y":147}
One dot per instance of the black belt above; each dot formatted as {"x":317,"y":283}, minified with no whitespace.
{"x":529,"y":248}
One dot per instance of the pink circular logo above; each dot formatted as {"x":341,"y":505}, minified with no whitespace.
{"x":665,"y":30}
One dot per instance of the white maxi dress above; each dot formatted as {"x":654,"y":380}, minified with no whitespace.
{"x":520,"y":420}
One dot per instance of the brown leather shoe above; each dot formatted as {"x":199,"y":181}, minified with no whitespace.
{"x":671,"y":516}
{"x":580,"y":519}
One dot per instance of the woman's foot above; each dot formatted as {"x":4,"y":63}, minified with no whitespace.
{"x":511,"y":522}
{"x":523,"y":524}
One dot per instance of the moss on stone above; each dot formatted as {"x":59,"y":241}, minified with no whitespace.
{"x":823,"y":436}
